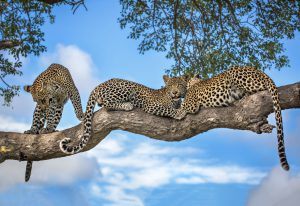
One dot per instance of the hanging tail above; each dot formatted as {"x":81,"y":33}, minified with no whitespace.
{"x":277,"y":110}
{"x":87,"y":127}
{"x":28,"y":170}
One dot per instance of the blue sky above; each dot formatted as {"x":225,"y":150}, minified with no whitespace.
{"x":218,"y":167}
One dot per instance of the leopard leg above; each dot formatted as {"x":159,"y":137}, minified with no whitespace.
{"x":57,"y":116}
{"x":75,"y":99}
{"x":124,"y":106}
{"x":180,"y":114}
{"x":37,"y":122}
{"x":187,"y":107}
{"x":159,"y":109}
{"x":54,"y":116}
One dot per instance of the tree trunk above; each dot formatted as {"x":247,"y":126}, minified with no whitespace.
{"x":250,"y":113}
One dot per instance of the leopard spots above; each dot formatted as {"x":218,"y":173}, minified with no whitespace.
{"x":51,"y":90}
{"x":119,"y":94}
{"x":227,"y":87}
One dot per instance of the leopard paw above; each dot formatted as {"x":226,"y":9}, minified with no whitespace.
{"x":31,"y":131}
{"x":128,"y":106}
{"x":180,"y":114}
{"x":47,"y":130}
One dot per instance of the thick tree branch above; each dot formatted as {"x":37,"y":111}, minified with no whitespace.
{"x":248,"y":114}
{"x":7,"y":44}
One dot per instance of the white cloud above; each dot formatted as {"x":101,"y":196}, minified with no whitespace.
{"x":21,"y":108}
{"x":7,"y":123}
{"x":61,"y":171}
{"x":57,"y":171}
{"x":79,"y":63}
{"x":134,"y":166}
{"x":124,"y":167}
{"x":118,"y":197}
{"x":278,"y":188}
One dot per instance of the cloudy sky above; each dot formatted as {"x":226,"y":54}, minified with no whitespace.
{"x":219,"y":167}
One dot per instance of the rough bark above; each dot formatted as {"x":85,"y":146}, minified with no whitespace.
{"x":250,"y":113}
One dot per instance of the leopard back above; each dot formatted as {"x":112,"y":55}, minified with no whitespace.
{"x":119,"y":94}
{"x":55,"y":82}
{"x":232,"y":85}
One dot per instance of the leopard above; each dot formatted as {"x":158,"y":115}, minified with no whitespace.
{"x":51,"y":90}
{"x":120,"y":94}
{"x":193,"y":80}
{"x":226,"y":88}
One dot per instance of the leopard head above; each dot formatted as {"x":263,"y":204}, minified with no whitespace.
{"x":39,"y":93}
{"x":176,"y":86}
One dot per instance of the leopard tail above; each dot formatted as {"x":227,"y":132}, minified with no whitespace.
{"x":87,"y":123}
{"x":28,"y":170}
{"x":277,"y":110}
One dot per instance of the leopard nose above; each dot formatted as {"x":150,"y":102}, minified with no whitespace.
{"x":175,"y":93}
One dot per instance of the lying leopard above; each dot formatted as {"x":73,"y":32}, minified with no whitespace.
{"x":227,"y":87}
{"x":51,"y":90}
{"x":119,"y":94}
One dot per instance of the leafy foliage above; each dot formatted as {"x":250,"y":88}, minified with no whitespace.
{"x":207,"y":36}
{"x":21,"y":35}
{"x":20,"y":23}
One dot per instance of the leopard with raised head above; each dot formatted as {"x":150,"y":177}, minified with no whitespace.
{"x":119,"y":94}
{"x":51,"y":90}
{"x":228,"y":87}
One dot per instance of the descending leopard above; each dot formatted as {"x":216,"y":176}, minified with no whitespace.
{"x":119,"y":94}
{"x":227,"y":87}
{"x":51,"y":90}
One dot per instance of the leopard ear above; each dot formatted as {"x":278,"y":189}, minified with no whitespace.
{"x":27,"y":88}
{"x":185,"y":77}
{"x":166,"y":78}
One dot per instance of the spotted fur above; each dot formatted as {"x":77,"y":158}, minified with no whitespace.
{"x":51,"y":90}
{"x":193,"y":80}
{"x":118,"y":94}
{"x":225,"y":88}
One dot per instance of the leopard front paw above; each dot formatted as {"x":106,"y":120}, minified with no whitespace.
{"x":47,"y":130}
{"x":180,"y":114}
{"x":32,"y":131}
{"x":128,"y":106}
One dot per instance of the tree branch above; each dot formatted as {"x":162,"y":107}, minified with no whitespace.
{"x":74,"y":3}
{"x":7,"y":44}
{"x":51,"y":2}
{"x":250,"y":113}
